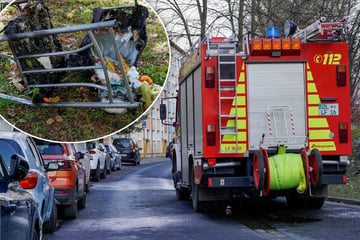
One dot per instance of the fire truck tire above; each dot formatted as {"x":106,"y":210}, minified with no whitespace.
{"x":196,"y":204}
{"x":266,"y":188}
{"x":182,"y":195}
{"x":258,"y":170}
{"x":316,"y":168}
{"x":315,"y":203}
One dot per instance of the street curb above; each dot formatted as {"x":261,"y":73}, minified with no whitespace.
{"x":343,"y":200}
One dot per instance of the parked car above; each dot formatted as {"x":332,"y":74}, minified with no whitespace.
{"x":19,"y":219}
{"x":69,"y":180}
{"x":78,"y":152}
{"x":97,"y":160}
{"x":115,"y":158}
{"x":107,"y":158}
{"x":129,"y":150}
{"x":36,"y":181}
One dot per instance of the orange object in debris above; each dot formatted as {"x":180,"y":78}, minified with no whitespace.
{"x":56,"y":99}
{"x":146,"y":79}
{"x":45,"y":99}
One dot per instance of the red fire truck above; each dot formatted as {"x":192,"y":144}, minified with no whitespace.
{"x":237,"y":112}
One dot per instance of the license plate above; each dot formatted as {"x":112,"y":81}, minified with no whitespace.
{"x":123,"y":155}
{"x":329,"y":109}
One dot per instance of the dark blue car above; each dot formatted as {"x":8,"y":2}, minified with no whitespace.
{"x":19,"y":218}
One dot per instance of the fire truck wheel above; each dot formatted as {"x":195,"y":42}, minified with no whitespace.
{"x":258,"y":170}
{"x":316,"y":168}
{"x":266,"y":188}
{"x":182,"y":195}
{"x":305,"y":161}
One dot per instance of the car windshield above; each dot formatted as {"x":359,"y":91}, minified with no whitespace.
{"x":122,"y":143}
{"x":108,"y":149}
{"x":48,"y":148}
{"x":90,"y":145}
{"x":9,"y":148}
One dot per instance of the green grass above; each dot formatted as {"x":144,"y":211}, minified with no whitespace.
{"x":352,"y":188}
{"x":82,"y":124}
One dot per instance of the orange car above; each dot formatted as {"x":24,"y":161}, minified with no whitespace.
{"x":69,"y":179}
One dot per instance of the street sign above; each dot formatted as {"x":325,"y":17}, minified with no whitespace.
{"x":144,"y":124}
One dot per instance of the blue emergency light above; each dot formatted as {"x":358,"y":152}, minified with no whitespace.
{"x":272,"y":32}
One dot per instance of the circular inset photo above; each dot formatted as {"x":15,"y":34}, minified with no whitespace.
{"x":78,"y":70}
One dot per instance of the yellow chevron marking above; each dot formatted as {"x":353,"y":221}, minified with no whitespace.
{"x":241,"y":148}
{"x":318,"y":123}
{"x":313,"y":111}
{"x":240,"y":101}
{"x":323,"y":146}
{"x":243,"y":67}
{"x":309,"y":76}
{"x":232,"y":138}
{"x":319,"y":134}
{"x":240,"y":89}
{"x":313,"y":99}
{"x":312,"y":88}
{"x":241,"y":111}
{"x":242,"y":77}
{"x":307,"y":66}
{"x":241,"y":124}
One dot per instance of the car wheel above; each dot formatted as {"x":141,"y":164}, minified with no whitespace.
{"x":113,"y":168}
{"x":97,"y":173}
{"x":103,"y":174}
{"x":72,"y":210}
{"x":87,"y":187}
{"x":82,"y":202}
{"x":51,"y":225}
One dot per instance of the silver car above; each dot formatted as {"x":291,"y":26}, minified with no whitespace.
{"x":36,"y":181}
{"x":115,"y":158}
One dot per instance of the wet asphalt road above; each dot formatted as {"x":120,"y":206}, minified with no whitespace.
{"x":140,"y":203}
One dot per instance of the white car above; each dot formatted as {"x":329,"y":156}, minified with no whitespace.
{"x":97,"y":160}
{"x":78,"y":151}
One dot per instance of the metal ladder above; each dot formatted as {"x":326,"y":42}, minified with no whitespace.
{"x":227,"y":85}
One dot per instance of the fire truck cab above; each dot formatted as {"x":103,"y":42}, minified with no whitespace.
{"x":273,"y":120}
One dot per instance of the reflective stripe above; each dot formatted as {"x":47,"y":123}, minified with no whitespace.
{"x":319,"y":134}
{"x":232,"y":138}
{"x":240,"y":88}
{"x":241,"y":124}
{"x":318,"y":123}
{"x":309,"y":76}
{"x":323,"y":146}
{"x":313,"y":111}
{"x":313,"y":99}
{"x":240,"y":101}
{"x":242,"y":77}
{"x":241,"y":112}
{"x":312,"y":88}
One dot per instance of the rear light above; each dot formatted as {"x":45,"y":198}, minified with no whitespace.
{"x":343,"y":132}
{"x":64,"y":164}
{"x":110,"y":155}
{"x":92,"y":152}
{"x":134,"y":150}
{"x":63,"y":191}
{"x":210,"y":77}
{"x":210,"y":182}
{"x":211,"y":134}
{"x":341,"y":75}
{"x":212,"y":161}
{"x":30,"y":181}
{"x":344,"y":179}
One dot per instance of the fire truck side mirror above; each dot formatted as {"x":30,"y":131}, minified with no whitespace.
{"x":163,"y":111}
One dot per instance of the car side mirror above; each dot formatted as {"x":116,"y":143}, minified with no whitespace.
{"x":79,"y":155}
{"x":19,"y":167}
{"x":52,"y":166}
